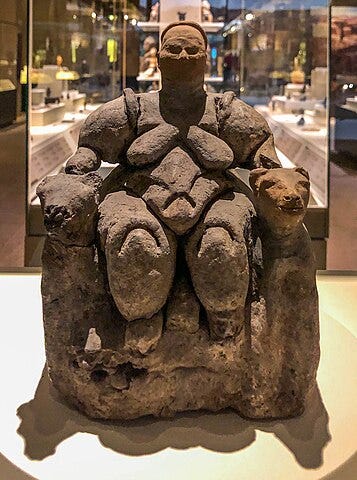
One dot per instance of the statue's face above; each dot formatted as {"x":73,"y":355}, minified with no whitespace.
{"x":149,"y":42}
{"x":182,"y":54}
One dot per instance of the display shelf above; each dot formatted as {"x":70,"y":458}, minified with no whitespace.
{"x":43,"y":439}
{"x":351,"y":104}
{"x":51,"y":145}
{"x":149,"y":26}
{"x":209,"y":27}
{"x":212,"y":27}
{"x":157,"y":78}
{"x":41,"y":117}
{"x":153,"y":78}
{"x":75,"y":104}
{"x":213,"y":79}
{"x":287,"y":105}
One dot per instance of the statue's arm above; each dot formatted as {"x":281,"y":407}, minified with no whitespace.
{"x":266,"y":155}
{"x":104,"y":136}
{"x":247,"y":133}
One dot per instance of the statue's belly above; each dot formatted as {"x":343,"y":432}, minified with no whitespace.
{"x":178,"y":189}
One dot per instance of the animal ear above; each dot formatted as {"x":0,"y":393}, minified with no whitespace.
{"x":267,"y":162}
{"x":303,"y":172}
{"x":255,"y":176}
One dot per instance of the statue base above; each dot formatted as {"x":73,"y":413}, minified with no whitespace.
{"x":112,"y":369}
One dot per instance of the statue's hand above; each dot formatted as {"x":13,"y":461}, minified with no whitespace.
{"x":84,"y":160}
{"x":69,"y":204}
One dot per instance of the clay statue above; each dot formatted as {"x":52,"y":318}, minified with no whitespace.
{"x":172,"y":285}
{"x":155,"y":12}
{"x":206,"y":11}
{"x":148,"y":62}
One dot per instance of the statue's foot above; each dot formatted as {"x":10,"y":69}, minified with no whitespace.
{"x":183,"y":308}
{"x":225,"y":324}
{"x":142,"y":335}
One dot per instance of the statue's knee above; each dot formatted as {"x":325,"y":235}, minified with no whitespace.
{"x":124,"y":238}
{"x":141,"y":242}
{"x":140,"y":275}
{"x":216,"y":242}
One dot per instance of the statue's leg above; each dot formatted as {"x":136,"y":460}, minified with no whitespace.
{"x":218,"y":257}
{"x":140,"y":256}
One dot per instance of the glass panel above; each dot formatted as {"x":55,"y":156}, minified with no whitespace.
{"x":342,"y":247}
{"x":13,"y":134}
{"x":77,"y":64}
{"x":271,"y":53}
{"x":12,"y":55}
{"x":276,"y":60}
{"x":343,"y":106}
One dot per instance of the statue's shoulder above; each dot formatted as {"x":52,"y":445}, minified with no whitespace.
{"x":148,"y":99}
{"x":110,"y":127}
{"x":149,"y":115}
{"x":112,"y":112}
{"x":241,"y":126}
{"x":235,"y":113}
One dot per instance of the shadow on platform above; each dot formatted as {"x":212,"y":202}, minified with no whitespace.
{"x":46,"y":421}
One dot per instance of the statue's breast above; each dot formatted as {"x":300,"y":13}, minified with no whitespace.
{"x":209,"y":151}
{"x":156,"y":137}
{"x":178,"y":189}
{"x":179,"y":170}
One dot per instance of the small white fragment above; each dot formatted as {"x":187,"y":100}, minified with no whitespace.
{"x":93,"y":343}
{"x":85,"y":365}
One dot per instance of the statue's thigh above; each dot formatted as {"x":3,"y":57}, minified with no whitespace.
{"x":217,"y":254}
{"x":140,"y":255}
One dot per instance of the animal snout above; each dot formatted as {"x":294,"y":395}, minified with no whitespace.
{"x":291,"y":198}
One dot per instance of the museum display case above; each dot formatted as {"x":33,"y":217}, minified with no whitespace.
{"x":273,"y":55}
{"x":343,"y":87}
{"x":12,"y":56}
{"x":276,"y":60}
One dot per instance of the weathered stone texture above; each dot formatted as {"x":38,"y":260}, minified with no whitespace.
{"x":173,"y":286}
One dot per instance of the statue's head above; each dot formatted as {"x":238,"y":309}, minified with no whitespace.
{"x":149,"y":43}
{"x":182,"y":54}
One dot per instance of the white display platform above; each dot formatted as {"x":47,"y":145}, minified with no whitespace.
{"x":50,"y":441}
